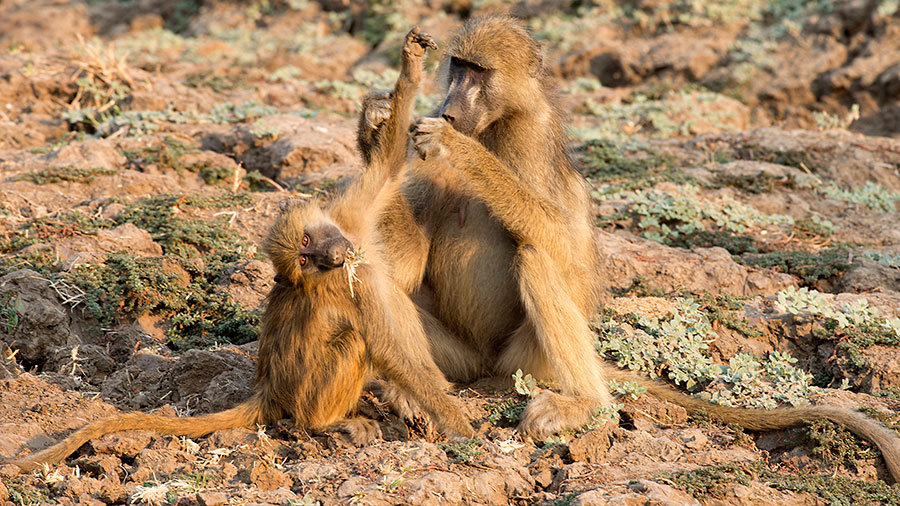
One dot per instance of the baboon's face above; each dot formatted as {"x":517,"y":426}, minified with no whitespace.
{"x":322,"y":248}
{"x":304,"y":243}
{"x":468,"y":98}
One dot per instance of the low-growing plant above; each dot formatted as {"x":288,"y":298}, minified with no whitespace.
{"x":666,"y":116}
{"x":264,"y":132}
{"x":676,"y":347}
{"x":524,"y":385}
{"x":854,"y":325}
{"x":766,"y":383}
{"x":631,"y":388}
{"x":751,"y":183}
{"x":666,"y":216}
{"x":837,"y":491}
{"x":814,"y":227}
{"x":837,"y":446}
{"x":828,"y":121}
{"x":67,"y":173}
{"x":126,"y":286}
{"x":872,"y":195}
{"x":362,"y":81}
{"x":216,"y":82}
{"x":506,"y":412}
{"x":63,"y":224}
{"x":883,"y":258}
{"x":800,"y":159}
{"x":10,"y":310}
{"x":810,"y":267}
{"x":103,"y":123}
{"x":723,"y":309}
{"x":462,"y":452}
{"x":166,"y":154}
{"x":736,"y":244}
{"x":606,"y":160}
{"x":24,"y":491}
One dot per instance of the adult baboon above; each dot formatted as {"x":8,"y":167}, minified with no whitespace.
{"x":326,"y":330}
{"x":505,"y":229}
{"x":503,"y":264}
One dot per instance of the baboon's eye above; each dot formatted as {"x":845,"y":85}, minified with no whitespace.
{"x":305,"y":241}
{"x":477,"y":68}
{"x":304,"y":260}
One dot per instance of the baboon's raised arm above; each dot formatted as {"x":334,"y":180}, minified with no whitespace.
{"x":383,"y":143}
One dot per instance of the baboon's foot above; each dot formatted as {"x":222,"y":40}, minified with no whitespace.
{"x":402,"y":404}
{"x":376,"y":108}
{"x":362,"y":431}
{"x":551,"y":412}
{"x":407,"y":409}
{"x":428,"y":137}
{"x":416,"y":43}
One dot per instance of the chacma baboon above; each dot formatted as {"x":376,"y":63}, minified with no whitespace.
{"x":504,"y":264}
{"x":327,"y":329}
{"x":505,"y":229}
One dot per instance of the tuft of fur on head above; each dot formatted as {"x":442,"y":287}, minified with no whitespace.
{"x":286,"y":237}
{"x":507,"y":38}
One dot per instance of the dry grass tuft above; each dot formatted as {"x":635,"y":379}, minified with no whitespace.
{"x":353,"y":260}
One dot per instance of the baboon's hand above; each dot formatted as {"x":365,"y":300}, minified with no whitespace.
{"x":376,"y":108}
{"x":416,"y":43}
{"x":428,"y":136}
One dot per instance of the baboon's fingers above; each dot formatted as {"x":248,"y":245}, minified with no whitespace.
{"x":430,"y":125}
{"x":425,"y":40}
{"x":417,"y":42}
{"x":427,"y":134}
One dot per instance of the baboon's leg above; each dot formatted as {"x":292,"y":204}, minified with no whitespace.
{"x":406,"y":242}
{"x":404,"y":357}
{"x":562,"y":335}
{"x":458,"y":360}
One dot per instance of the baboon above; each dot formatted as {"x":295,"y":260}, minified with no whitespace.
{"x":503,"y":264}
{"x":327,"y":327}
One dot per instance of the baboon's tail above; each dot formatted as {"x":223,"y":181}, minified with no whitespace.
{"x":243,"y":415}
{"x":768,"y":419}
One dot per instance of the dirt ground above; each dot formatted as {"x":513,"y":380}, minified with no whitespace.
{"x":736,"y":152}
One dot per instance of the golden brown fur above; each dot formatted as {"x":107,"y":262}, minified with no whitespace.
{"x":318,"y":342}
{"x":506,"y":234}
{"x":506,"y":229}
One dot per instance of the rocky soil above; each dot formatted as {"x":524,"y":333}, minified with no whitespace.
{"x":736,"y":151}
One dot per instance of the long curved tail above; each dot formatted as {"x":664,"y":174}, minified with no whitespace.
{"x":243,"y":415}
{"x":765,"y":419}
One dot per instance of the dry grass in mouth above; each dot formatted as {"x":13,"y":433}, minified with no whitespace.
{"x":354,"y":259}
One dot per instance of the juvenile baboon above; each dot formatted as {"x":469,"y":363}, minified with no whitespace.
{"x":327,"y":328}
{"x":504,"y":265}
